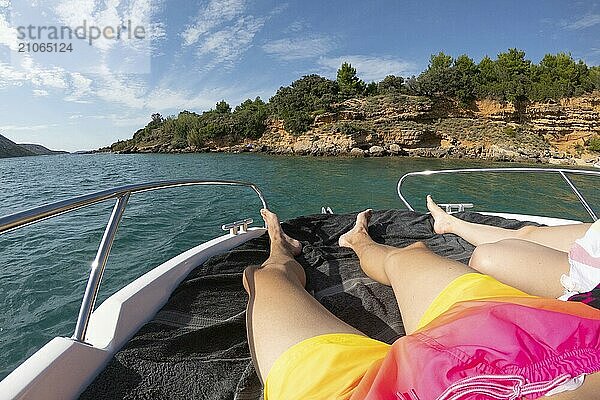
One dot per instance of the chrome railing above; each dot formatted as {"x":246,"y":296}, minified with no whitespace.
{"x":121,"y":194}
{"x":560,"y":171}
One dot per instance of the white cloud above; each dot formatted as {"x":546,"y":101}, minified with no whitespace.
{"x":126,"y":54}
{"x":299,"y":48}
{"x":586,"y":21}
{"x":118,"y":120}
{"x":165,"y":99}
{"x":370,"y":68}
{"x":212,"y":16}
{"x":80,"y":88}
{"x":126,"y":90}
{"x":298,"y":26}
{"x":222,"y":32}
{"x":31,"y":72}
{"x":22,"y":128}
{"x":53,"y":77}
{"x":9,"y":76}
{"x":135,"y":122}
{"x":227,"y":45}
{"x":8,"y":34}
{"x":40,"y":93}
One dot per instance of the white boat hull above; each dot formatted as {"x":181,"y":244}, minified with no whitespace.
{"x":63,"y":368}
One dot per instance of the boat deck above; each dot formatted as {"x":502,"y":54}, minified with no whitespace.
{"x":195,"y":346}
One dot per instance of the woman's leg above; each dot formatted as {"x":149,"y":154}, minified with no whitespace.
{"x":531,"y":259}
{"x":557,"y":237}
{"x":416,"y":274}
{"x":524,"y":265}
{"x":280,"y":311}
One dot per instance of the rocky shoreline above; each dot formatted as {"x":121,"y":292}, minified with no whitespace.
{"x":556,"y":133}
{"x":493,"y":153}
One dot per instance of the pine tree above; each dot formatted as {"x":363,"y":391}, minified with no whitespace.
{"x":350,"y":85}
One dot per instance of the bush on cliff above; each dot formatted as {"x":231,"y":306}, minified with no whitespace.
{"x":298,"y":103}
{"x":391,"y":84}
{"x":250,"y":119}
{"x":594,"y":144}
{"x":594,"y":77}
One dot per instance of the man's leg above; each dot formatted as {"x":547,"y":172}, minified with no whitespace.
{"x":557,"y":237}
{"x":416,"y":274}
{"x":280,"y":311}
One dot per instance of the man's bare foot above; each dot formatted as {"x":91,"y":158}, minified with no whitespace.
{"x":279,"y":239}
{"x":283,"y":250}
{"x":443,"y":222}
{"x":359,"y":230}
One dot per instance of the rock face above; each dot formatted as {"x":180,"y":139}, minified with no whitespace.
{"x":419,"y":126}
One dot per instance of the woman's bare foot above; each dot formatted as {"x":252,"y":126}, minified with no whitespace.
{"x":358,"y":232}
{"x":443,"y":222}
{"x":279,"y":240}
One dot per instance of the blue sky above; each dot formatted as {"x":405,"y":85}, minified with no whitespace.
{"x":198,"y":52}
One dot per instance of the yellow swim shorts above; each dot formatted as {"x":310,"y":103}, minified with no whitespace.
{"x":468,"y":287}
{"x":331,"y":366}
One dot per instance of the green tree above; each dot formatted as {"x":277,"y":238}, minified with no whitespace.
{"x":513,"y":75}
{"x":157,"y":118}
{"x":412,"y":86}
{"x":557,"y":76}
{"x":371,"y":89}
{"x":222,"y":107}
{"x":349,"y":83}
{"x":185,"y":122}
{"x":464,"y":73}
{"x":594,"y":77}
{"x":487,"y":83}
{"x":391,"y":84}
{"x":438,"y":78}
{"x":299,"y":103}
{"x":250,"y":118}
{"x":196,"y":139}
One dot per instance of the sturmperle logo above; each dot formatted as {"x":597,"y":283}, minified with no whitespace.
{"x":78,"y":36}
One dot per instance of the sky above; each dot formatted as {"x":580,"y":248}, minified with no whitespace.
{"x":195,"y":53}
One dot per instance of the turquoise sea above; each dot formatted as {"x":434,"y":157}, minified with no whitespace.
{"x":44,"y":267}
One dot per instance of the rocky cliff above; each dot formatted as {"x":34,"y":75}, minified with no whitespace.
{"x":565,"y":132}
{"x":406,"y":125}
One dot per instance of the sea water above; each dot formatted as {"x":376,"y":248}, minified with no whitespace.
{"x":44,"y":267}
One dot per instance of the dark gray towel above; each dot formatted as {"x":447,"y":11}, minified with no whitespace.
{"x":196,"y":348}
